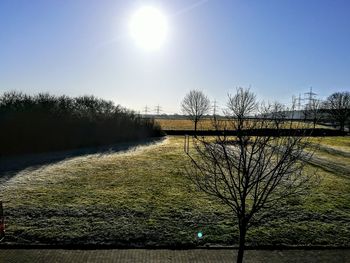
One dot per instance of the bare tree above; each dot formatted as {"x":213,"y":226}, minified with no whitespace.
{"x":338,"y":105}
{"x":313,"y":111}
{"x":249,"y":173}
{"x":278,"y":114}
{"x":195,"y":105}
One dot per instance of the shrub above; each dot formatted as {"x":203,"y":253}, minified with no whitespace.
{"x":45,"y":122}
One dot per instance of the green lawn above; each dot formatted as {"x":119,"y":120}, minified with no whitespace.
{"x":142,"y":199}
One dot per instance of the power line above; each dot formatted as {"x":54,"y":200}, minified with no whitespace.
{"x":158,"y":109}
{"x":299,"y":99}
{"x":146,"y":110}
{"x":214,"y":107}
{"x":310,"y":97}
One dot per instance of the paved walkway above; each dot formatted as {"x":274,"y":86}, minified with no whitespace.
{"x":178,"y":256}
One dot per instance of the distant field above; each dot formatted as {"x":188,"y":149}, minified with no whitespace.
{"x":141,"y":198}
{"x":207,"y":124}
{"x":183,"y":124}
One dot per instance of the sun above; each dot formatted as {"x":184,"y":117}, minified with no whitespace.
{"x":148,"y":28}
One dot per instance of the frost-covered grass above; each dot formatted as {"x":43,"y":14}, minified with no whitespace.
{"x":141,"y":198}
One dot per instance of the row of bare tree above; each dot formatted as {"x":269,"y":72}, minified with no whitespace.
{"x":252,"y":175}
{"x":336,"y":109}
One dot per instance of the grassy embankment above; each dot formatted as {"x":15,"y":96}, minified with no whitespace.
{"x":142,"y":198}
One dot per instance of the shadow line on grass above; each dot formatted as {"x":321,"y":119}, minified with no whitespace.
{"x":10,"y":166}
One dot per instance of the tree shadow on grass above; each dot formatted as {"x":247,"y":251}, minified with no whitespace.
{"x":10,"y":166}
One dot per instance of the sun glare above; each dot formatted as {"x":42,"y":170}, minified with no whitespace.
{"x":148,"y":28}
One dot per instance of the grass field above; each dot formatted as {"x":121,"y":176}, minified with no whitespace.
{"x":184,"y":124}
{"x":207,"y":124}
{"x":141,"y":198}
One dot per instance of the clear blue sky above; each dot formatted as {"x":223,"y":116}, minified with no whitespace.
{"x":278,"y":47}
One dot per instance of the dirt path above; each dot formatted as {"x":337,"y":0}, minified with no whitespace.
{"x":330,"y":166}
{"x":334,"y":151}
{"x":178,"y":256}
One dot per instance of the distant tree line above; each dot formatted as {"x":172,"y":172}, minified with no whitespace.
{"x":335,"y":110}
{"x":338,"y":107}
{"x":44,"y":122}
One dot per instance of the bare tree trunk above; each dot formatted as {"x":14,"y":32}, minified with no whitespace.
{"x":242,"y":234}
{"x":195,"y":127}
